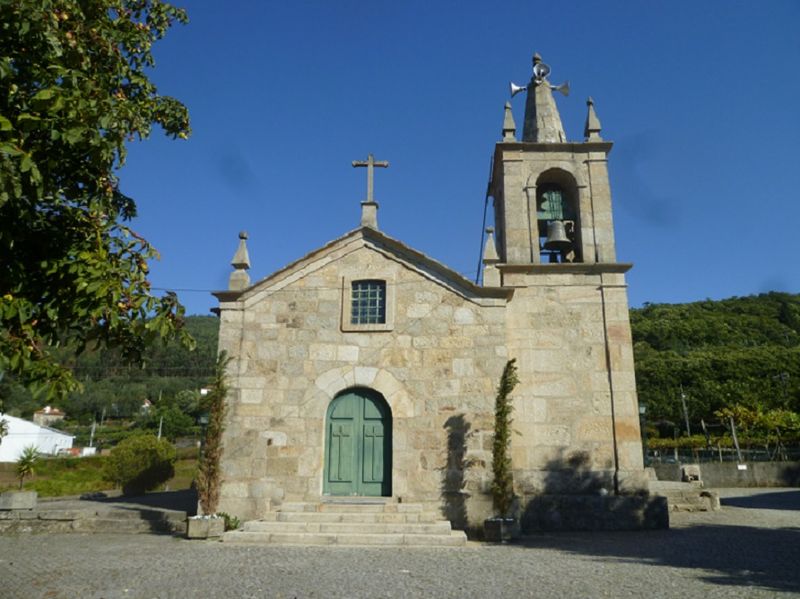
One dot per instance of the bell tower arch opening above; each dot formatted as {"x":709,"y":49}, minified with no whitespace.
{"x":557,"y":218}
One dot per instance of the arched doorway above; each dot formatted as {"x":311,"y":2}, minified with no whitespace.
{"x":358,"y":445}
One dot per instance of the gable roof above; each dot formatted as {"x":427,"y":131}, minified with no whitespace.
{"x":369,"y":237}
{"x":20,"y":426}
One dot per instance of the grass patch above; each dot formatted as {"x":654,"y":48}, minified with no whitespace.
{"x":58,"y":477}
{"x":75,"y":482}
{"x":185,"y":473}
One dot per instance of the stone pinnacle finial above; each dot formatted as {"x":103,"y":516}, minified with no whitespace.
{"x":490,"y":249}
{"x":542,"y":122}
{"x":509,"y":126}
{"x":491,"y":275}
{"x":239,"y":279}
{"x":591,"y":131}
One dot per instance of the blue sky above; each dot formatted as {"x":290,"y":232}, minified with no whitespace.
{"x":701,"y":99}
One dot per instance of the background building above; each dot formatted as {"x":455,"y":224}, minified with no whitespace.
{"x":23,"y":433}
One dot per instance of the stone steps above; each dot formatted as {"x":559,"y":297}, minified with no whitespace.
{"x":341,"y":507}
{"x":442,"y":527}
{"x":686,"y":497}
{"x":120,"y":525}
{"x":89,"y":520}
{"x":355,"y":522}
{"x":353,"y":517}
{"x":453,"y":538}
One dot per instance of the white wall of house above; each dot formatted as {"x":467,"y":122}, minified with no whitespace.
{"x":22,"y":433}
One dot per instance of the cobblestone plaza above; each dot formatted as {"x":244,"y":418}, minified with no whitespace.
{"x":749,"y":549}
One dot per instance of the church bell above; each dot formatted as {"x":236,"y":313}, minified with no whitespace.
{"x":557,"y":239}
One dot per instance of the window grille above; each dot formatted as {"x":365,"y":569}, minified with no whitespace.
{"x":368,"y":305}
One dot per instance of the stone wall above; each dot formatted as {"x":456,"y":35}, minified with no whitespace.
{"x":573,"y":342}
{"x":437,"y":367}
{"x":437,"y":362}
{"x":728,"y":474}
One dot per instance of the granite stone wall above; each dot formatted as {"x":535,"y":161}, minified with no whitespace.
{"x":439,"y":361}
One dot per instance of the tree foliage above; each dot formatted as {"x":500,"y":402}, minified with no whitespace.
{"x":73,"y":91}
{"x":209,"y":475}
{"x":114,"y":393}
{"x":734,"y":352}
{"x":759,"y":422}
{"x":141,"y":463}
{"x":503,"y":479}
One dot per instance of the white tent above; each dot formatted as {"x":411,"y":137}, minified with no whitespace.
{"x":22,"y":433}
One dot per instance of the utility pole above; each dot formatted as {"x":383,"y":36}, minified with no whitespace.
{"x":161,"y":420}
{"x":685,"y":412}
{"x":735,"y":439}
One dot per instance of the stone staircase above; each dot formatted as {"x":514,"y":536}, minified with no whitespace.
{"x":350,"y":522}
{"x":91,"y":519}
{"x":686,"y":496}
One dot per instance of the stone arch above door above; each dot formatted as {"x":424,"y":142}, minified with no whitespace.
{"x":332,"y":382}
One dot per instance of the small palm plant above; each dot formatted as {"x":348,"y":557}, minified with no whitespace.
{"x":26,"y":463}
{"x":3,"y":428}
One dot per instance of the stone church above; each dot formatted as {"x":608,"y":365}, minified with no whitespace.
{"x":367,"y":369}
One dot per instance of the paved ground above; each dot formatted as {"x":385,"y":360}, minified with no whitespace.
{"x":185,"y":501}
{"x":750,"y":549}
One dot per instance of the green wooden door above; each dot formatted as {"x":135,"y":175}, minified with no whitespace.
{"x":358,"y":445}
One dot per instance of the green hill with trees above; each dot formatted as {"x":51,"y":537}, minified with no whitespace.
{"x":738,"y":356}
{"x":115,"y":391}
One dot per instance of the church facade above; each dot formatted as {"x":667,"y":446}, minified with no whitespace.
{"x":368,"y":369}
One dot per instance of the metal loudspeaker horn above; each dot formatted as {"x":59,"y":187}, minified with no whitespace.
{"x":563,"y":88}
{"x":515,"y":89}
{"x":557,"y":236}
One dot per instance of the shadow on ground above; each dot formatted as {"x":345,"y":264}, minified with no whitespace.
{"x":727,"y":553}
{"x":731,"y":555}
{"x":766,"y":501}
{"x":184,"y":501}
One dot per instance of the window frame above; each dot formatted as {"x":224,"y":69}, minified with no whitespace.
{"x":368,"y":301}
{"x":347,"y":304}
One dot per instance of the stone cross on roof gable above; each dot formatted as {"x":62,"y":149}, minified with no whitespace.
{"x":370,"y":163}
{"x":369,"y":207}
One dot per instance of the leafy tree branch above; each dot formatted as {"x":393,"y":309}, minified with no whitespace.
{"x":73,"y":91}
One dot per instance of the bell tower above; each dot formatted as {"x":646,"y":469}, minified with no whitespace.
{"x":552,"y":199}
{"x":567,"y":323}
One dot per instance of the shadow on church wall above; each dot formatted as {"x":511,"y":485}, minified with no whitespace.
{"x":454,"y":496}
{"x":576,"y":497}
{"x":572,"y":474}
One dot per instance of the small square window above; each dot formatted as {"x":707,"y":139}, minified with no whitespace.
{"x":368,"y":302}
